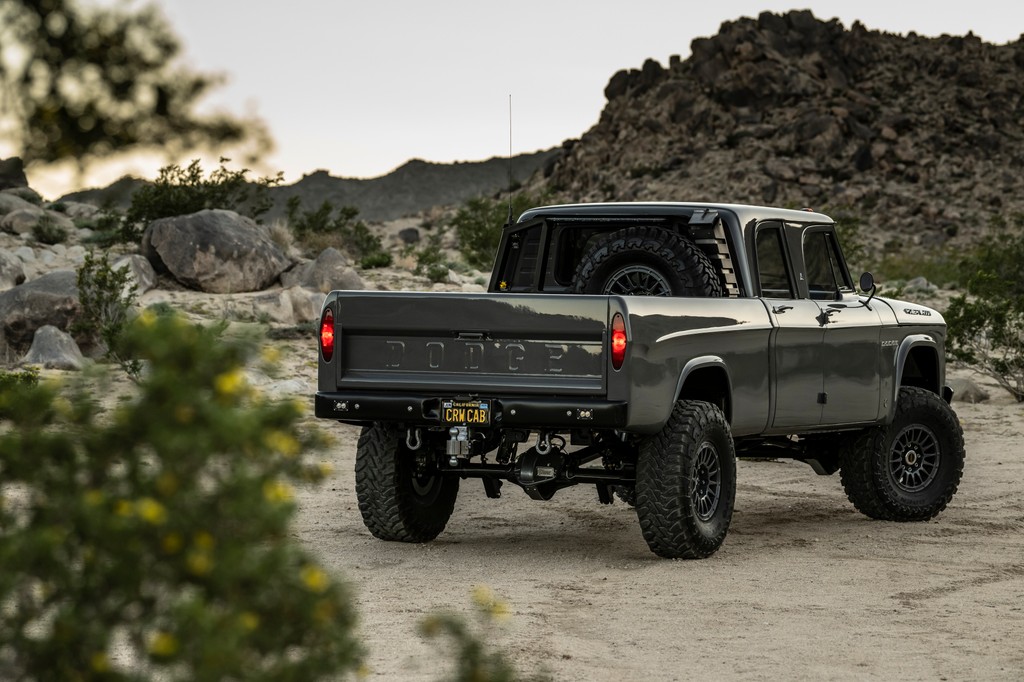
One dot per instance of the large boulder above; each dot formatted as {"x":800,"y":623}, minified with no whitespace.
{"x":967,"y":391}
{"x":12,"y":202}
{"x":26,"y":220}
{"x":54,"y":349}
{"x":215,"y":251}
{"x":48,"y":300}
{"x":330,"y":271}
{"x":12,"y":272}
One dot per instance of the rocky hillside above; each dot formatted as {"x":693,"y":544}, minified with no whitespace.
{"x":919,"y":139}
{"x":411,"y":188}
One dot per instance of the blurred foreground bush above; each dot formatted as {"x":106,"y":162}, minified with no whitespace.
{"x":153,"y":540}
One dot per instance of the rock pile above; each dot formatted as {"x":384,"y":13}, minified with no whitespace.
{"x":922,"y":139}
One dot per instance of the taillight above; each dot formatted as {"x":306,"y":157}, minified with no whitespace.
{"x":327,"y":335}
{"x":618,"y":342}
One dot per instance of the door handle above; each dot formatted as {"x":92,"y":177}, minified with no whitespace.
{"x":826,"y":315}
{"x":779,"y":309}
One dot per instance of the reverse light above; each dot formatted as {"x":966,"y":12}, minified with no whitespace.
{"x":618,"y":341}
{"x":327,"y":335}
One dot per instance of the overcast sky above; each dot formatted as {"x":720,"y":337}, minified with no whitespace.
{"x":357,"y":88}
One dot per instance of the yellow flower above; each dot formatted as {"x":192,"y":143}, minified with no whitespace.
{"x":151,"y":511}
{"x":147,"y":318}
{"x":199,"y":563}
{"x":314,"y":579}
{"x":249,"y":620}
{"x":124,"y":508}
{"x":93,"y":498}
{"x":229,"y":383}
{"x":279,"y":441}
{"x":326,"y":469}
{"x":99,"y":662}
{"x":483,"y":596}
{"x":171,"y":543}
{"x":163,"y":644}
{"x":277,"y":492}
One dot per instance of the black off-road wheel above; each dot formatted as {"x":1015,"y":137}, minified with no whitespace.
{"x":910,"y":469}
{"x":686,"y":483}
{"x":646,"y":261}
{"x":397,"y":501}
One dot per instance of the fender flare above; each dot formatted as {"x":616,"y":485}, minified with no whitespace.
{"x":704,"y":362}
{"x":902,"y":353}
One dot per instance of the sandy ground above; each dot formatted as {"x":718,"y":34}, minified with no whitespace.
{"x":804,"y":587}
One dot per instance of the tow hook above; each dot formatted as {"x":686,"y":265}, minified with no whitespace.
{"x":413,"y":439}
{"x":544,"y":444}
{"x":458,"y":444}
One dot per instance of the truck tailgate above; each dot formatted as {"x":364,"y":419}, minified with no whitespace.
{"x":480,"y":343}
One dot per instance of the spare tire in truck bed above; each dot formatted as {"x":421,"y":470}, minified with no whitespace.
{"x":646,"y":261}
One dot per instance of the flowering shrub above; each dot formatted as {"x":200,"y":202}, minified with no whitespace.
{"x":153,"y":540}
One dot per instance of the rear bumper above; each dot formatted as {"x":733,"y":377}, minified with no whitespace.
{"x":509,"y":412}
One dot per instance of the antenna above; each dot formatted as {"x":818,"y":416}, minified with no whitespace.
{"x":509,"y":158}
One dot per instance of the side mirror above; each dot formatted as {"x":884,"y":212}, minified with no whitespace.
{"x":867,"y":285}
{"x":867,"y":282}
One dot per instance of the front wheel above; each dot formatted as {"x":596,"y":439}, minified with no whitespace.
{"x":686,"y":483}
{"x":910,"y":469}
{"x":397,"y":500}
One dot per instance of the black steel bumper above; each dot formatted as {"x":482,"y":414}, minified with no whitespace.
{"x":508,"y":412}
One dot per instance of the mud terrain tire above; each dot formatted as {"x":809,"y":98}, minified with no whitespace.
{"x":686,"y":483}
{"x":396,"y":503}
{"x":646,"y":261}
{"x":910,"y":469}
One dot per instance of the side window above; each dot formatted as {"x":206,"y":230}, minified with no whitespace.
{"x":824,"y":273}
{"x":771,"y":265}
{"x":521,"y":264}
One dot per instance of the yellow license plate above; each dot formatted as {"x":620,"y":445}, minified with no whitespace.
{"x":466,"y":412}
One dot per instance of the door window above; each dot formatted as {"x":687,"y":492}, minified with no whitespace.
{"x":771,"y":264}
{"x":825,"y":275}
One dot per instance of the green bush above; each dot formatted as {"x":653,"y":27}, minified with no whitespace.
{"x":181,"y":191}
{"x":340,"y":227}
{"x":986,"y":325}
{"x":155,"y":542}
{"x":25,"y":377}
{"x":431,"y":262}
{"x":105,"y":296}
{"x":478,"y":226}
{"x":47,"y":231}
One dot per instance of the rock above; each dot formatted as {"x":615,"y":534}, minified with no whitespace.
{"x":215,"y":251}
{"x":306,"y":304}
{"x":274,"y":306}
{"x":12,"y":202}
{"x":27,"y":220}
{"x":12,"y":272}
{"x":966,"y":391}
{"x":409,"y":235}
{"x":920,"y":284}
{"x":76,"y":210}
{"x":12,"y":173}
{"x":54,"y":349}
{"x":142,"y":274}
{"x":25,"y":254}
{"x":48,"y":300}
{"x":328,"y":272}
{"x":26,"y":193}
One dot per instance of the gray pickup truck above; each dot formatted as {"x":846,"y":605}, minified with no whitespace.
{"x":641,"y":348}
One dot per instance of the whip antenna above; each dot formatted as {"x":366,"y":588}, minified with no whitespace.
{"x":510,"y":158}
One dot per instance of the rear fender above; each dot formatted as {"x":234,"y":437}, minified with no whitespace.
{"x":707,"y":378}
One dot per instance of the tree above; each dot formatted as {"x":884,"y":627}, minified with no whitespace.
{"x":478,"y":224}
{"x":77,"y":83}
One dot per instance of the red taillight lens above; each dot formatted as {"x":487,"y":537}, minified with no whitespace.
{"x":327,"y":335}
{"x":618,"y":342}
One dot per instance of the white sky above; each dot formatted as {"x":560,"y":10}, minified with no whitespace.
{"x":357,"y":88}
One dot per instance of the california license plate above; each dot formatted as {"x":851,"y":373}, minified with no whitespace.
{"x":466,"y":412}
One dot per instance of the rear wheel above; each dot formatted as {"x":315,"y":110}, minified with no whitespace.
{"x":686,"y":483}
{"x":399,"y":501}
{"x":910,"y":469}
